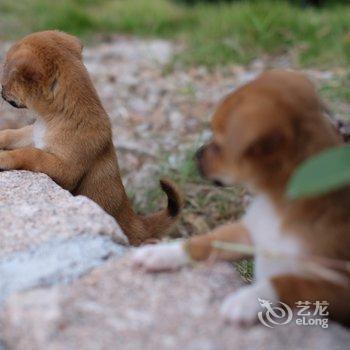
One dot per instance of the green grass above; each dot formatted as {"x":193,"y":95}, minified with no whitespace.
{"x":246,"y":269}
{"x":214,"y":34}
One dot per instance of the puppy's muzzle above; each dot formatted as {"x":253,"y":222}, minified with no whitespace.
{"x":11,"y":102}
{"x":199,"y":154}
{"x":199,"y":157}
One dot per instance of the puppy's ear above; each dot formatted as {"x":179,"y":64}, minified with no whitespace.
{"x":70,"y":42}
{"x":75,"y":46}
{"x":267,"y":145}
{"x":29,"y":69}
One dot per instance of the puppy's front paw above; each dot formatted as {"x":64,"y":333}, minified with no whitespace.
{"x":3,"y":139}
{"x":161,"y":257}
{"x":242,"y":307}
{"x":7,"y":162}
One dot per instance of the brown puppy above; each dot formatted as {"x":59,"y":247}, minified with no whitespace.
{"x":262,"y":132}
{"x":71,"y":140}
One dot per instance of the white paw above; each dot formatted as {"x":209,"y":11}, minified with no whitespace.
{"x":242,"y":307}
{"x":161,"y":257}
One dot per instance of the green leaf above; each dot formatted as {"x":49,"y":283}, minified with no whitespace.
{"x":320,"y":174}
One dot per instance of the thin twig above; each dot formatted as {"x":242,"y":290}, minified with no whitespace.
{"x":326,"y":268}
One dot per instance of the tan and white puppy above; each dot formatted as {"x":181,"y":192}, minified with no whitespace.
{"x":71,"y":140}
{"x":262,"y":132}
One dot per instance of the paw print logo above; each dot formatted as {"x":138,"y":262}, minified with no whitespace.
{"x":274,"y":315}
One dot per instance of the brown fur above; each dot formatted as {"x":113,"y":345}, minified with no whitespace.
{"x":45,"y":73}
{"x":262,"y":132}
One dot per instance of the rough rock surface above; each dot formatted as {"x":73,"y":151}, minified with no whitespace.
{"x":57,"y":261}
{"x":34,"y":210}
{"x":47,"y":235}
{"x":117,"y":307}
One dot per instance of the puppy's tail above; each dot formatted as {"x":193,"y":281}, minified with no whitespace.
{"x":160,"y":223}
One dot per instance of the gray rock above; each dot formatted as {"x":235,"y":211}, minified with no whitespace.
{"x":47,"y":235}
{"x":56,"y":261}
{"x":34,"y":210}
{"x":118,"y":307}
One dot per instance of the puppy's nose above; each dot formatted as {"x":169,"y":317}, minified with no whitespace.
{"x":218,"y":183}
{"x":13,"y":104}
{"x":199,"y":160}
{"x":2,"y":92}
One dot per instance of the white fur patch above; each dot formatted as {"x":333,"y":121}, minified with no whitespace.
{"x":160,"y":257}
{"x":39,"y":132}
{"x":264,"y":225}
{"x":242,"y":307}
